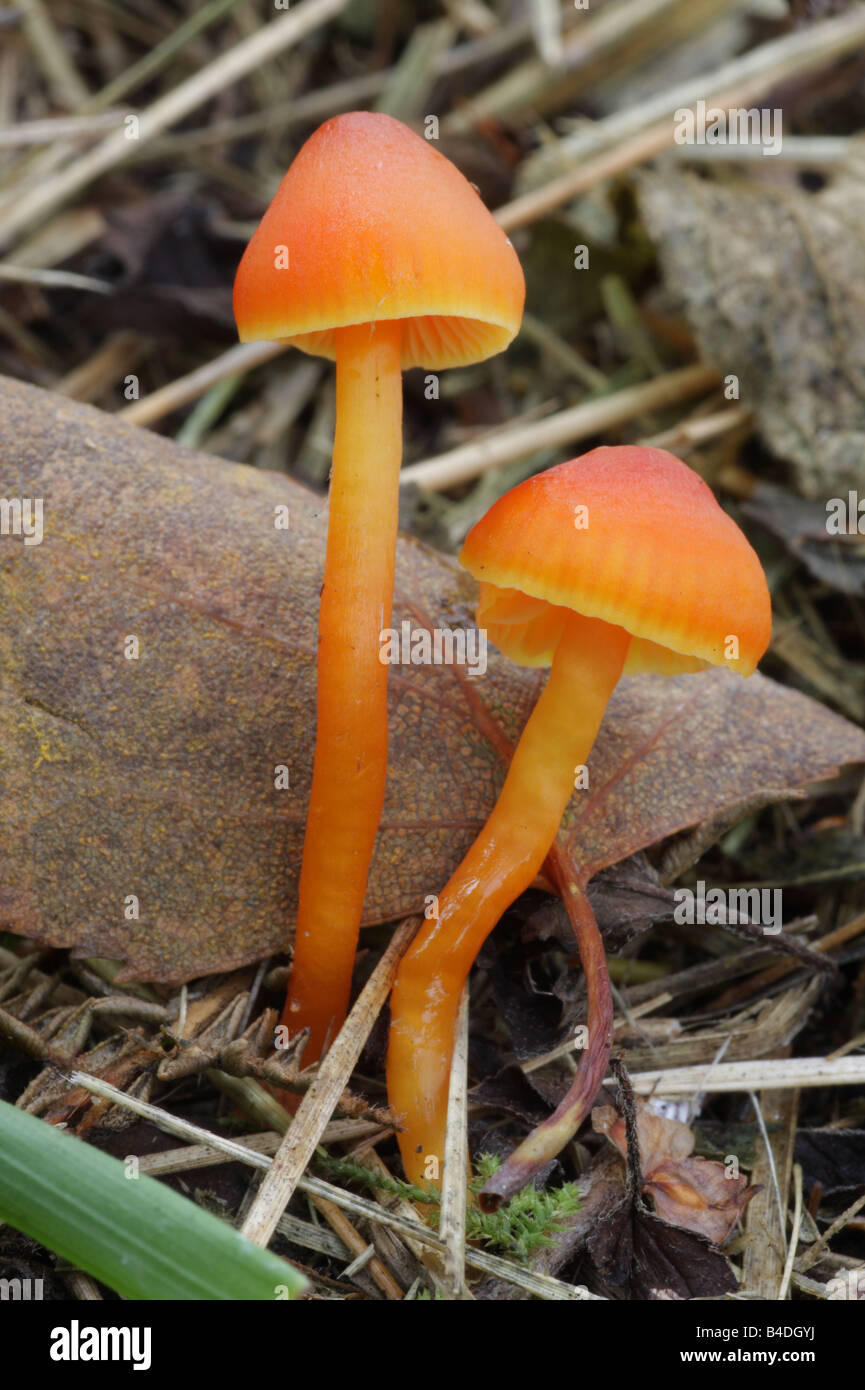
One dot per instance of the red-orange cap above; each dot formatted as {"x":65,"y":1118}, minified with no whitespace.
{"x":375,"y":224}
{"x":632,"y":536}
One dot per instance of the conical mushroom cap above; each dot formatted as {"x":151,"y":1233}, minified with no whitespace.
{"x":372,"y":223}
{"x":630,"y":535}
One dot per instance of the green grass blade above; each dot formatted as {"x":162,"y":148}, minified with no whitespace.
{"x":137,"y":1236}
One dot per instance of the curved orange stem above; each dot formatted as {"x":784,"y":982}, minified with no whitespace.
{"x":350,"y":763}
{"x":501,"y":863}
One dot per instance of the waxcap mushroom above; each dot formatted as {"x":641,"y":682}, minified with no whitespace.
{"x":633,"y":536}
{"x":378,"y":253}
{"x":622,"y":551}
{"x":378,"y":225}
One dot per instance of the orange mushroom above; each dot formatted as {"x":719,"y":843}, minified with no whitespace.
{"x":619,"y":561}
{"x":378,"y":253}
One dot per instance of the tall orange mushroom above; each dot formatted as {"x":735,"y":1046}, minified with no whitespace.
{"x":619,"y":561}
{"x":378,"y":253}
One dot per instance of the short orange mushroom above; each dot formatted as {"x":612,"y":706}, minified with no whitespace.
{"x":619,"y":561}
{"x":376,"y":252}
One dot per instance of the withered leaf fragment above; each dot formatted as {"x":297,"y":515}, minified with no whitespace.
{"x":695,"y":1194}
{"x":773,"y":284}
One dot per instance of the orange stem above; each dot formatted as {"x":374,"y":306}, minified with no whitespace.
{"x":350,"y":763}
{"x":500,"y":865}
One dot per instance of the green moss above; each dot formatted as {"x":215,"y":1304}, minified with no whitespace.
{"x":518,"y":1230}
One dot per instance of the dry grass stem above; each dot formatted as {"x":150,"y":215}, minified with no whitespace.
{"x":237,"y":62}
{"x":314,"y":1112}
{"x":579,"y":422}
{"x":749,"y":1076}
{"x":453,"y":1207}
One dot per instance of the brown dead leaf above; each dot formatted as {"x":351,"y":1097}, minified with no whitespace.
{"x":837,"y":560}
{"x":649,"y":1259}
{"x":169,"y":275}
{"x":773,"y":284}
{"x":693,"y":1193}
{"x":153,"y":778}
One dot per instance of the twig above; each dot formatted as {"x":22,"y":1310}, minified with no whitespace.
{"x":758,"y":983}
{"x":794,"y":1234}
{"x":194,"y":1156}
{"x":66,"y":83}
{"x":158,"y":404}
{"x":84,"y":1289}
{"x":810,"y":150}
{"x":590,"y":417}
{"x":152,"y":62}
{"x":637,"y":134}
{"x":357,"y":91}
{"x":525,"y":88}
{"x":472,"y":15}
{"x":547,"y":25}
{"x":350,"y":1237}
{"x":690,"y":433}
{"x":637,"y":150}
{"x":51,"y":128}
{"x":111,"y":361}
{"x":766,"y":1222}
{"x":850,"y":1046}
{"x":770,"y":1161}
{"x":452,"y":1224}
{"x":818,"y":1249}
{"x":749,"y":1076}
{"x":245,"y":57}
{"x":317,"y":1106}
{"x":52,"y":279}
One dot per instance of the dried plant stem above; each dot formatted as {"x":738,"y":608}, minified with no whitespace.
{"x":52,"y":279}
{"x":637,"y":150}
{"x":530,"y":87}
{"x":784,"y":1290}
{"x":757,"y":983}
{"x":245,"y":57}
{"x":631,"y":137}
{"x":547,"y":25}
{"x":357,"y":91}
{"x":766,"y":1251}
{"x":472,"y":15}
{"x":51,"y":128}
{"x":580,"y":421}
{"x":452,"y":1224}
{"x":317,"y":1106}
{"x":67,"y":85}
{"x":816,"y":1251}
{"x":188,"y":388}
{"x":748,"y":1076}
{"x":152,"y":62}
{"x":84,"y":1289}
{"x":351,"y":1238}
{"x":690,"y":433}
{"x":815,"y":150}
